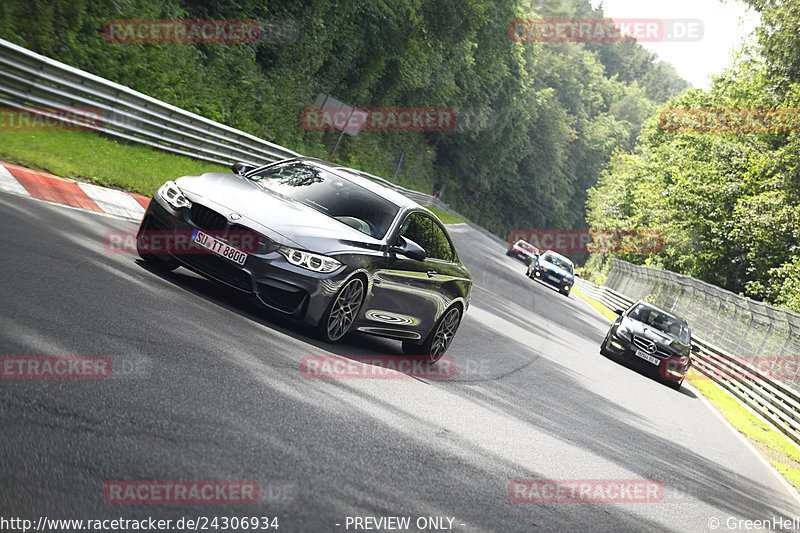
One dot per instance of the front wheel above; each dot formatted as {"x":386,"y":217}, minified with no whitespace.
{"x":604,"y":348}
{"x":676,"y":384}
{"x":342,"y":311}
{"x":437,"y":342}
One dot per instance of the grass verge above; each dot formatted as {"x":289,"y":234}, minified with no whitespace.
{"x":773,"y":445}
{"x":446,"y":218}
{"x":91,"y":157}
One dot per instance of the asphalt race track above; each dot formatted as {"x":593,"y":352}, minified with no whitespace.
{"x":206,"y":387}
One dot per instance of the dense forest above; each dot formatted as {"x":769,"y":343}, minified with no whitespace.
{"x":548,"y":134}
{"x":727,"y":202}
{"x":536,"y":122}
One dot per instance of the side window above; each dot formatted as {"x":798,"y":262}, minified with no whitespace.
{"x":417,"y":228}
{"x":440,"y":246}
{"x":424,"y":231}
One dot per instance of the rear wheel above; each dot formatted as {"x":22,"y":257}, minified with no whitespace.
{"x":437,"y":342}
{"x":342,"y":311}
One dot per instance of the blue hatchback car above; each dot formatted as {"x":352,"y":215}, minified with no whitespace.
{"x":555,"y":269}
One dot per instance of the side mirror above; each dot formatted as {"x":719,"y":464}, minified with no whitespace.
{"x":619,"y":311}
{"x":241,"y":168}
{"x":408,"y":248}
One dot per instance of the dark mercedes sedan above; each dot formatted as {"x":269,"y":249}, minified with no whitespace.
{"x":652,"y":339}
{"x":318,"y":243}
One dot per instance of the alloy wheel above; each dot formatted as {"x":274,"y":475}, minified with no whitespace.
{"x":344,"y":309}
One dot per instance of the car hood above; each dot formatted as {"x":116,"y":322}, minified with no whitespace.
{"x":284,"y":220}
{"x":661,"y":339}
{"x":555,"y":268}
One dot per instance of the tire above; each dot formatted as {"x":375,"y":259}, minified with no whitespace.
{"x":440,"y":337}
{"x":675,"y":384}
{"x":604,"y":349}
{"x":342,"y":311}
{"x":161,"y":261}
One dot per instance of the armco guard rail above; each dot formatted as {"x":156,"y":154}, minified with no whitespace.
{"x":31,"y":80}
{"x":763,"y":394}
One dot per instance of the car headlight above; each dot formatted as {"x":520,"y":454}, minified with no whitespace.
{"x":624,"y":332}
{"x":173,"y":195}
{"x":309,"y":261}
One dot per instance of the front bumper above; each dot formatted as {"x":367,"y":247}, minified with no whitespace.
{"x":561,"y":283}
{"x":670,"y":368}
{"x":277,"y":284}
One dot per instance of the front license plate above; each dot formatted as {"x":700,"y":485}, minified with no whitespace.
{"x":647,"y":357}
{"x":219,"y":247}
{"x":552,"y":278}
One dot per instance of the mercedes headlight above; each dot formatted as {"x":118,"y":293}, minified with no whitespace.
{"x":309,"y":261}
{"x":173,"y":195}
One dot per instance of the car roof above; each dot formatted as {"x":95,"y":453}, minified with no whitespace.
{"x":360,"y":179}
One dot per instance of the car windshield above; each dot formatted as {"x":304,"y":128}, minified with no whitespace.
{"x":673,"y":327}
{"x":525,"y":246}
{"x":330,"y":194}
{"x":561,"y":262}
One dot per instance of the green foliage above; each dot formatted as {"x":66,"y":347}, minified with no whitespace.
{"x":728,"y":203}
{"x":549,"y":115}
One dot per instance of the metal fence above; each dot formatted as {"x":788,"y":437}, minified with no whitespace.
{"x":32,"y":80}
{"x":48,"y":87}
{"x":772,"y":399}
{"x":734,"y":323}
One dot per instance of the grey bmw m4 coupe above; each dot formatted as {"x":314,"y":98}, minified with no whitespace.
{"x":318,"y":243}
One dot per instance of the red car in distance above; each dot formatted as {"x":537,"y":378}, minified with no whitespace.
{"x":524,"y":251}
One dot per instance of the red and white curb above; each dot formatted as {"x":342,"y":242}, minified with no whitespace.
{"x":26,"y":182}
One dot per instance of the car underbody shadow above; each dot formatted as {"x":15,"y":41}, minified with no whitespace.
{"x":353,"y":343}
{"x":644,"y":371}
